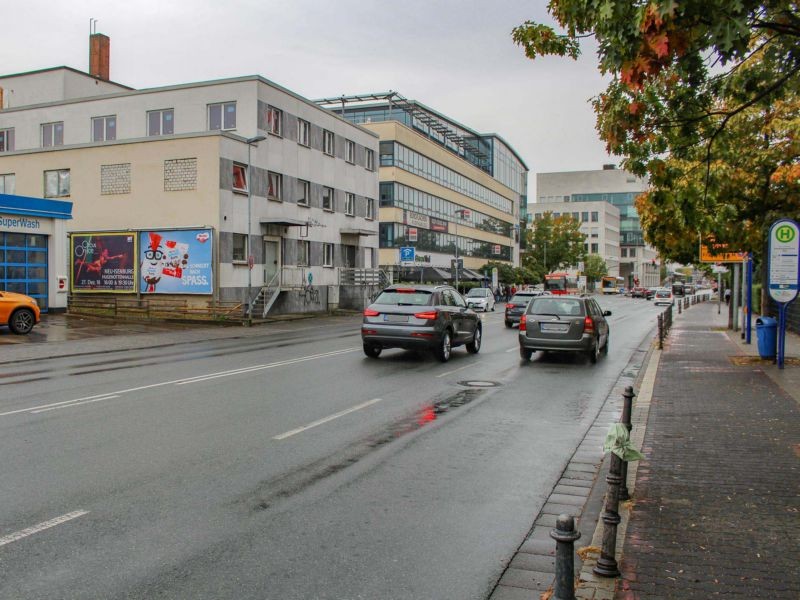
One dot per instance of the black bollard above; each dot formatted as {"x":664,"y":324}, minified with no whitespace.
{"x":627,"y":409}
{"x":565,"y":535}
{"x":660,"y":332}
{"x":607,"y":563}
{"x":679,"y":308}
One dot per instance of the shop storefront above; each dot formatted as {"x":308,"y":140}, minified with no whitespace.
{"x":33,"y":249}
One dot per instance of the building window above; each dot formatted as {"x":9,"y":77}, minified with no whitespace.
{"x":595,"y":232}
{"x":7,"y":140}
{"x":221,"y":115}
{"x":595,"y":216}
{"x":239,"y":177}
{"x":594,"y":248}
{"x":370,"y":208}
{"x":303,"y":192}
{"x":624,"y":253}
{"x":350,"y":151}
{"x":104,"y":129}
{"x":240,"y":248}
{"x":160,"y":122}
{"x":632,"y":252}
{"x":585,"y":217}
{"x":275,"y":191}
{"x":303,"y":253}
{"x":327,"y":255}
{"x":275,"y":121}
{"x":327,"y":198}
{"x":7,"y":183}
{"x":303,"y":132}
{"x":327,"y":142}
{"x":370,"y":160}
{"x":350,"y":204}
{"x":52,"y":134}
{"x":56,"y":183}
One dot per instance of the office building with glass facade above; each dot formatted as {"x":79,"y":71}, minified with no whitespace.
{"x":618,"y":188}
{"x":445,"y":189}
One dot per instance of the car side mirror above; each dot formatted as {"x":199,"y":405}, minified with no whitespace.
{"x":606,"y":313}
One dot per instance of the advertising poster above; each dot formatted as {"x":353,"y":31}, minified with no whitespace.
{"x":103,"y":262}
{"x":175,"y":261}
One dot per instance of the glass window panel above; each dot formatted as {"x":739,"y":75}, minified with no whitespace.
{"x":47,"y":136}
{"x":15,"y":239}
{"x":15,"y":272}
{"x":230,"y":115}
{"x":58,"y":134}
{"x":37,"y":241}
{"x":168,"y":124}
{"x":37,"y":288}
{"x":215,"y":116}
{"x":16,"y":287}
{"x":97,"y":130}
{"x":111,"y":128}
{"x":37,"y":272}
{"x":154,"y":123}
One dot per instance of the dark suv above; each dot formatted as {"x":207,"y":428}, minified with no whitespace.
{"x":414,"y":317}
{"x":515,"y":307}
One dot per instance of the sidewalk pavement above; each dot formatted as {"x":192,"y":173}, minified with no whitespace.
{"x":716,"y":501}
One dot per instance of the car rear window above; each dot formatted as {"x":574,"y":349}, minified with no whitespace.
{"x":663,"y":294}
{"x":407,"y":297}
{"x":563,"y":307}
{"x":478,"y":292}
{"x":521,"y":298}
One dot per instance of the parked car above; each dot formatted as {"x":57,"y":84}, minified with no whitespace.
{"x":480,"y":298}
{"x":638,"y":292}
{"x":420,"y":317}
{"x":649,"y":293}
{"x":564,"y":324}
{"x":663,"y":296}
{"x":515,"y":307}
{"x":19,"y":312}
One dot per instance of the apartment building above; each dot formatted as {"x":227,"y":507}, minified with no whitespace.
{"x":216,"y":191}
{"x":445,"y":189}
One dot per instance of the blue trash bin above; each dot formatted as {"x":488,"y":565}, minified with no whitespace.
{"x":767,"y":333}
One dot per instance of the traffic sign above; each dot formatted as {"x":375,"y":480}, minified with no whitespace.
{"x":784,"y":266}
{"x":407,"y":254}
{"x":412,"y":234}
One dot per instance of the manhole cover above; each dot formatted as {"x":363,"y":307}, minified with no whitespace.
{"x":479,"y":384}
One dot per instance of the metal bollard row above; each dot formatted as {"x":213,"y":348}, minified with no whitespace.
{"x":627,"y":411}
{"x":565,"y":535}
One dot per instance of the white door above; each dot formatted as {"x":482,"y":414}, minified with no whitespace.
{"x":272,"y":258}
{"x":367,"y":258}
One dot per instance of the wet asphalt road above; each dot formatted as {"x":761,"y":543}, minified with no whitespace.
{"x":287,"y":465}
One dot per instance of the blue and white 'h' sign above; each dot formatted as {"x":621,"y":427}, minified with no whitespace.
{"x":407,"y":254}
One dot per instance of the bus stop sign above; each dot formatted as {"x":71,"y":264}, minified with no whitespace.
{"x":784,"y":266}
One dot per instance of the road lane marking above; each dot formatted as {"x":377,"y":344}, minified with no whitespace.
{"x":282,"y":363}
{"x":180,"y":381}
{"x":453,"y":371}
{"x":514,"y":349}
{"x":324,"y":420}
{"x":13,"y":537}
{"x":75,"y":403}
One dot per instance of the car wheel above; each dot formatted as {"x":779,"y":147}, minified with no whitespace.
{"x":604,"y":350}
{"x":525,"y":353}
{"x":443,"y":350}
{"x":509,"y":324}
{"x":22,"y":321}
{"x":594,"y":352}
{"x":474,"y":346}
{"x":372,"y":350}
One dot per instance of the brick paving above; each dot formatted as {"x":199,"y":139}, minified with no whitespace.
{"x":717,"y":502}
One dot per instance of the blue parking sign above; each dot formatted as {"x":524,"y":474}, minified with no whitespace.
{"x":407,"y":254}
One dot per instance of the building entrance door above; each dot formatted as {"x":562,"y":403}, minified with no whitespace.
{"x":349,"y":253}
{"x":272,"y":258}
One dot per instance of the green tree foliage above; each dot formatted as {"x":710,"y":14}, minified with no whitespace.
{"x":553,"y":243}
{"x":594,"y":268}
{"x":704,"y":100}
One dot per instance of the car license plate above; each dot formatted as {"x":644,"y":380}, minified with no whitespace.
{"x":556,"y":327}
{"x":396,"y":318}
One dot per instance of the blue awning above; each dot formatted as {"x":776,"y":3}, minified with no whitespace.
{"x":35,"y":207}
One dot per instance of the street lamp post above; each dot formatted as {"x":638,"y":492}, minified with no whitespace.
{"x":253,"y":141}
{"x":460,"y":213}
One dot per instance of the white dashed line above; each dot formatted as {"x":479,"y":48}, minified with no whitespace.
{"x":283,"y":436}
{"x":13,"y":537}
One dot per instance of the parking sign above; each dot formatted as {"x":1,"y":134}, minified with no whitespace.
{"x":407,"y":254}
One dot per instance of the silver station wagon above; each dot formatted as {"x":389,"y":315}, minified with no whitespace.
{"x":420,"y":317}
{"x":564,"y":324}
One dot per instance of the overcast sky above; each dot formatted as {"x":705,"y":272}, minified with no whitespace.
{"x":455,"y":56}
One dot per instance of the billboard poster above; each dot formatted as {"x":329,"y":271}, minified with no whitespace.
{"x":176,"y":261}
{"x":103,"y":262}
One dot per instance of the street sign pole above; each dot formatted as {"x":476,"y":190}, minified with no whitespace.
{"x":749,"y":316}
{"x":719,"y":292}
{"x":735,"y":297}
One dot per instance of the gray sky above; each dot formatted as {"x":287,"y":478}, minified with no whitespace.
{"x":455,"y":56}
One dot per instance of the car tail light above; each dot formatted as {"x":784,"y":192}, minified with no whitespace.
{"x":508,"y":306}
{"x":405,"y":291}
{"x":523,"y":323}
{"x":368,"y":312}
{"x":430,"y":314}
{"x":588,"y":325}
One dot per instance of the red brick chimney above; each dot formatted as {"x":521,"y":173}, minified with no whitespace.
{"x":99,"y":55}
